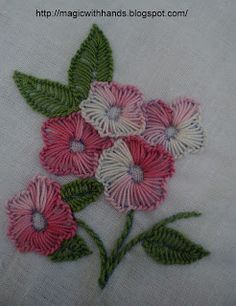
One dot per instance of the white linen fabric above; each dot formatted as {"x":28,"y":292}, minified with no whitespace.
{"x":190,"y":56}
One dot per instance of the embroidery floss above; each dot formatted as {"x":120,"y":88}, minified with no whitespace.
{"x":134,"y":174}
{"x":39,"y":219}
{"x":164,"y":245}
{"x":176,"y":127}
{"x":114,"y":109}
{"x":72,"y":146}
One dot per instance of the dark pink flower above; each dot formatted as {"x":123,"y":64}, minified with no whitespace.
{"x":72,"y":146}
{"x":38,"y":218}
{"x":134,"y":174}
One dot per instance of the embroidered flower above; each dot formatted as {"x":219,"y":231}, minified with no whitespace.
{"x":114,"y":109}
{"x":39,"y":219}
{"x":134,"y":174}
{"x":72,"y":146}
{"x":176,"y":127}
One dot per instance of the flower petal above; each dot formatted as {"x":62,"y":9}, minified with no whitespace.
{"x":114,"y":163}
{"x":190,"y":138}
{"x":42,"y":196}
{"x":125,"y":100}
{"x":177,"y":127}
{"x":158,"y":117}
{"x":57,"y":155}
{"x":183,"y":110}
{"x":122,"y":190}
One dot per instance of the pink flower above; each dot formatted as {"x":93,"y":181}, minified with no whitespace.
{"x":114,"y":109}
{"x":38,"y":219}
{"x":134,"y":174}
{"x":72,"y":146}
{"x":176,"y":127}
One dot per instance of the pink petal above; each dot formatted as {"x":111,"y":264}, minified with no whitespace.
{"x":60,"y":224}
{"x":57,"y":156}
{"x":158,"y":116}
{"x":125,"y":99}
{"x":184,"y":109}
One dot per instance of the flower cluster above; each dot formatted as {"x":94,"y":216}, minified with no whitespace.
{"x":128,"y":144}
{"x":105,"y":134}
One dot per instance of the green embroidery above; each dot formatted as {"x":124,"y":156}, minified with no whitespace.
{"x":100,"y":246}
{"x":164,"y":245}
{"x":124,"y":234}
{"x":71,"y":249}
{"x":80,"y":193}
{"x":168,"y":246}
{"x":49,"y":98}
{"x":93,"y":61}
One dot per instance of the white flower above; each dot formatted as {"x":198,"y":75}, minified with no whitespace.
{"x":114,"y":110}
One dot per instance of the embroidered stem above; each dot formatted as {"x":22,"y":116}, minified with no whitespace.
{"x":178,"y":216}
{"x":104,"y":275}
{"x":99,"y":243}
{"x":118,"y":254}
{"x":109,"y":263}
{"x":140,"y":237}
{"x":124,"y":234}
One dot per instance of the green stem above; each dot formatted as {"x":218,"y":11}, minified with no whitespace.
{"x":99,"y":243}
{"x":104,"y":275}
{"x":178,"y":216}
{"x":120,"y":241}
{"x":108,"y":264}
{"x":112,"y":262}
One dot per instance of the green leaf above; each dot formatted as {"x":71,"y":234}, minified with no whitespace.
{"x":93,"y":61}
{"x":168,"y":246}
{"x":79,"y":193}
{"x":71,"y":249}
{"x":49,"y":98}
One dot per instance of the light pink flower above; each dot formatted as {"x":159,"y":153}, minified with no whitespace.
{"x":177,"y":127}
{"x":134,"y":174}
{"x":38,"y":219}
{"x":72,"y":146}
{"x":114,"y":109}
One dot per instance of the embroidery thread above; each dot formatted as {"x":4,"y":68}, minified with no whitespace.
{"x":100,"y":128}
{"x":134,"y":174}
{"x":93,"y":61}
{"x":40,"y":221}
{"x":114,"y":109}
{"x":176,"y":127}
{"x":72,"y":146}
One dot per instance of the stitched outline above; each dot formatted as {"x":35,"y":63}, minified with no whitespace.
{"x":163,"y":244}
{"x":183,"y":115}
{"x":93,"y":61}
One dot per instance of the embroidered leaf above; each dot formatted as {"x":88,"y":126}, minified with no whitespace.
{"x":71,"y":249}
{"x":93,"y":61}
{"x":49,"y":98}
{"x":168,"y":246}
{"x":79,"y":193}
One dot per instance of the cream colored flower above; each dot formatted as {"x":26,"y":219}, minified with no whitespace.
{"x":114,"y":110}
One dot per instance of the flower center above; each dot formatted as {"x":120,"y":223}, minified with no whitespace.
{"x":170,"y":132}
{"x":77,"y":146}
{"x":114,"y":113}
{"x":137,"y":173}
{"x":38,"y":221}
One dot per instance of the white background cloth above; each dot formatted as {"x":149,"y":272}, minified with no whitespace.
{"x":165,"y":57}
